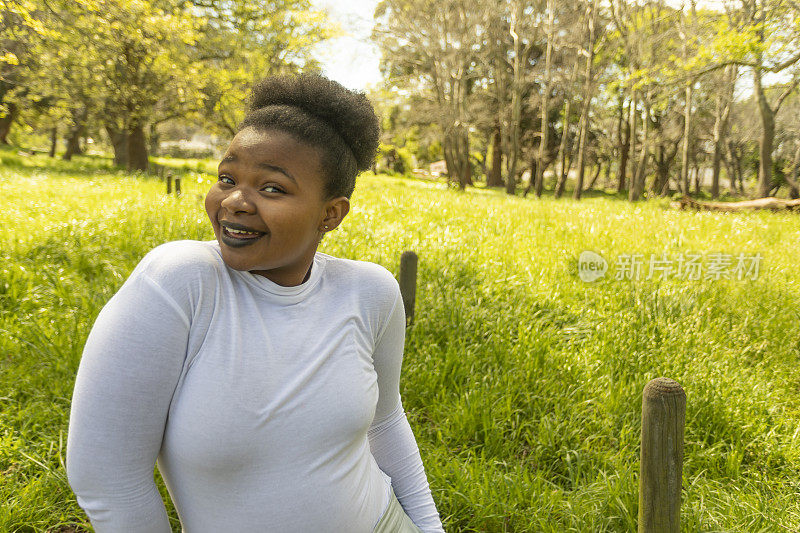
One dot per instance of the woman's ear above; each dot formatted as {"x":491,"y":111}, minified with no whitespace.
{"x":335,"y":211}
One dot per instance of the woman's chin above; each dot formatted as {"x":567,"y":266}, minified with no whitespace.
{"x":236,"y":262}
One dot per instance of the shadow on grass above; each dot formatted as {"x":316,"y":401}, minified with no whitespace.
{"x":549,"y":193}
{"x":88,"y":165}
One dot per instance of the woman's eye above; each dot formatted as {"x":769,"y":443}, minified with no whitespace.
{"x":226,"y":179}
{"x":272,"y":188}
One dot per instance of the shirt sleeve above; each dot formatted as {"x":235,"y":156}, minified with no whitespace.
{"x":390,"y":437}
{"x":128,"y":373}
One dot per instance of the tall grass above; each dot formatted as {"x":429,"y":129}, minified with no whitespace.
{"x":522,"y":383}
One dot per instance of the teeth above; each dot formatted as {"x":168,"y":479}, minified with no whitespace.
{"x":240,"y":232}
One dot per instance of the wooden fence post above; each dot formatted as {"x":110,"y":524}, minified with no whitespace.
{"x":177,"y":186}
{"x":408,"y":283}
{"x":663,"y":419}
{"x":169,"y":184}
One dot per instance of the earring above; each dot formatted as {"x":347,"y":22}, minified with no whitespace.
{"x":326,"y":227}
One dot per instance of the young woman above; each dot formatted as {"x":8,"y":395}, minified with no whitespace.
{"x":261,"y":375}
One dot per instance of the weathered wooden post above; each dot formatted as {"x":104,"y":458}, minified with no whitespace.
{"x":177,"y":186}
{"x":169,"y":184}
{"x":663,"y":418}
{"x":408,"y":283}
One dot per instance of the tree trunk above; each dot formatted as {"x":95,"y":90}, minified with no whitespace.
{"x":638,"y":179}
{"x":624,"y":146}
{"x":594,"y":177}
{"x":456,"y":155}
{"x":137,"y":148}
{"x":591,"y":9}
{"x":511,"y":183}
{"x":535,"y":171}
{"x":794,"y":186}
{"x":538,"y":178}
{"x":75,"y":132}
{"x":765,"y":143}
{"x":562,"y":149}
{"x":119,"y":141}
{"x":53,"y":141}
{"x":153,"y":140}
{"x":495,"y":176}
{"x":773,"y":204}
{"x":73,"y":145}
{"x":687,"y":130}
{"x":731,"y":174}
{"x":733,"y":163}
{"x":723,"y":112}
{"x":465,"y":176}
{"x":688,"y":93}
{"x":516,"y":101}
{"x":6,"y":121}
{"x":767,"y":137}
{"x":665,"y":186}
{"x":484,"y":156}
{"x":449,"y":158}
{"x":511,"y":177}
{"x":633,"y":120}
{"x":662,"y":170}
{"x":717,"y":158}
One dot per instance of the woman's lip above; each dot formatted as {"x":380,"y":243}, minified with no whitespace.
{"x":237,"y":241}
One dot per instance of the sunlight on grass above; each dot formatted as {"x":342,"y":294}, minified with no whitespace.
{"x":522,"y":383}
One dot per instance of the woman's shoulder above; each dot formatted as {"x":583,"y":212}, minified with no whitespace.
{"x":367,"y":275}
{"x":370,"y":286}
{"x":176,"y":260}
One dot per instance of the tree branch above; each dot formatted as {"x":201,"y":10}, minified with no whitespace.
{"x":792,"y":86}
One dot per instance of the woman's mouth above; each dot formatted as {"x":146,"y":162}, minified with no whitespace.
{"x":236,"y":235}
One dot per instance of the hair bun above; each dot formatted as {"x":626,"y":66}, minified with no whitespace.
{"x":348,"y":112}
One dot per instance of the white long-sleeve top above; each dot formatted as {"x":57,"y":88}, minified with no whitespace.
{"x":266,"y":408}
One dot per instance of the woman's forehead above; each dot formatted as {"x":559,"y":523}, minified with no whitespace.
{"x":273,"y":150}
{"x":273,"y":143}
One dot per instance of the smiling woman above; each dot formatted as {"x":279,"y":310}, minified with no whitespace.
{"x":268,"y":208}
{"x":260,"y":375}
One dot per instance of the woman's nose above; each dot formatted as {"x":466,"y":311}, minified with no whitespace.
{"x":237,"y":202}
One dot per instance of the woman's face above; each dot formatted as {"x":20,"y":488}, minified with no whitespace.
{"x":267,"y":207}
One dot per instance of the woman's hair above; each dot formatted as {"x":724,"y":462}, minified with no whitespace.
{"x":320,"y":112}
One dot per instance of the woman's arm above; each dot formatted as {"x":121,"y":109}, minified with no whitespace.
{"x":131,"y":364}
{"x":390,"y":437}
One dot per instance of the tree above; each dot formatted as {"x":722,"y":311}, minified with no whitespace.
{"x":591,"y":17}
{"x":429,"y":47}
{"x":538,"y":180}
{"x":20,"y":28}
{"x":768,"y":42}
{"x":134,"y":64}
{"x":245,"y":41}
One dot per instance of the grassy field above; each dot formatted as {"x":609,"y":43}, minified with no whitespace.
{"x":522,"y":382}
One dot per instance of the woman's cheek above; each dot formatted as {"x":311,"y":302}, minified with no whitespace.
{"x":212,"y":205}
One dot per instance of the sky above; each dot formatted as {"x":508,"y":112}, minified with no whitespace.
{"x":352,"y":60}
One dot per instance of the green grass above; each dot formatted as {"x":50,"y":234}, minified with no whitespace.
{"x":522,"y":383}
